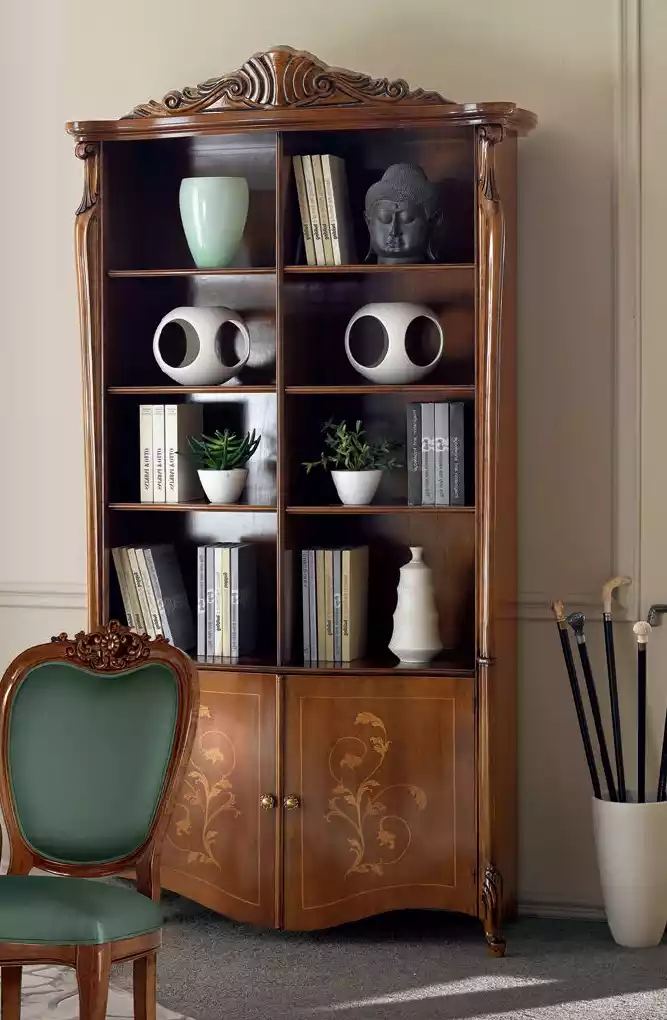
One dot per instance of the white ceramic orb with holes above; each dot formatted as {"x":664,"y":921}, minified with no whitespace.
{"x":202,"y":363}
{"x":394,"y":367}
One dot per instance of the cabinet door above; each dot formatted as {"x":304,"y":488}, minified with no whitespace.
{"x":383,"y":771}
{"x":220,"y":849}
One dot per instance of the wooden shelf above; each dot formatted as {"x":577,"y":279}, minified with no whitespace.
{"x":380,"y":666}
{"x":428,"y":267}
{"x":134,"y":273}
{"x":399,"y":508}
{"x":186,"y":390}
{"x":233,"y":508}
{"x":441,"y":389}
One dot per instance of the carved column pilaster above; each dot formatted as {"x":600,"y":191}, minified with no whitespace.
{"x":87,"y":241}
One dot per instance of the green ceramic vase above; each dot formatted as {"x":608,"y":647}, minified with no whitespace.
{"x":213,"y":212}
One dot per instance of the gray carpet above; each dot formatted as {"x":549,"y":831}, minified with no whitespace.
{"x":422,"y":966}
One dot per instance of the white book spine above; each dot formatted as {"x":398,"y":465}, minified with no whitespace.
{"x":338,"y":206}
{"x":309,"y":178}
{"x":210,"y":601}
{"x":180,"y":422}
{"x":139,"y":585}
{"x":153,"y":610}
{"x":226,"y":610}
{"x":306,"y":226}
{"x":428,"y":454}
{"x":218,"y":601}
{"x":146,"y":452}
{"x":158,"y":454}
{"x":201,"y":601}
{"x":322,"y":210}
{"x":442,"y":454}
{"x":119,"y":564}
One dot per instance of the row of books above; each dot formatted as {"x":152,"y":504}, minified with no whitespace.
{"x":334,"y":586}
{"x":153,"y":594}
{"x":435,"y":454}
{"x":326,"y":222}
{"x":167,"y":472}
{"x":226,"y":600}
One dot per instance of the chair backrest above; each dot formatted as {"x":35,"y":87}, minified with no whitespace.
{"x":94,"y":735}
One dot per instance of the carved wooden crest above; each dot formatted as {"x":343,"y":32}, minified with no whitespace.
{"x":285,"y":77}
{"x":110,"y":648}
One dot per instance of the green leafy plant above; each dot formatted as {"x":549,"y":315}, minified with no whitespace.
{"x":348,"y":449}
{"x":223,"y":451}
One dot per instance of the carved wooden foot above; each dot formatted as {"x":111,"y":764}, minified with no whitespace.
{"x":492,"y":899}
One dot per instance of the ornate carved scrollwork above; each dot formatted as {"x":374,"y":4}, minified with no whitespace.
{"x":284,"y":77}
{"x":90,"y":152}
{"x":492,"y":897}
{"x":110,"y":648}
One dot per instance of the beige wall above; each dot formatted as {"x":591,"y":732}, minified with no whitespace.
{"x":560,"y":59}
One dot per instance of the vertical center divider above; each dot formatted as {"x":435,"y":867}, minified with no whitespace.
{"x":282,"y":574}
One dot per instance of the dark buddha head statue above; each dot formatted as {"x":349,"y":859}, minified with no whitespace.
{"x":402,"y":210}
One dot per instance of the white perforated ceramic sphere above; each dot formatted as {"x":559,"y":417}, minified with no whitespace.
{"x":202,"y":363}
{"x":394,"y":366}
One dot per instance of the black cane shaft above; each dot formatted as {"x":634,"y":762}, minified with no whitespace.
{"x":662,"y":775}
{"x":597,"y":719}
{"x":641,"y":723}
{"x":581,"y":714}
{"x":615,"y":708}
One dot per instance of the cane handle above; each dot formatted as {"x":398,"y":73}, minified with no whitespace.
{"x":558,"y":609}
{"x":610,"y":587}
{"x":642,"y":629}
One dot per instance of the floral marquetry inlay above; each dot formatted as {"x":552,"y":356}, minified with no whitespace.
{"x":377,"y":836}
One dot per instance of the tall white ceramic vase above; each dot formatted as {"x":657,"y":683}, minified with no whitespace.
{"x":631,"y":844}
{"x":415,"y":637}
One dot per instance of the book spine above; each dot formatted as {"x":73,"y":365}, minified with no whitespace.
{"x":442,"y":454}
{"x":217,"y":606}
{"x":302,"y":196}
{"x":171,"y":597}
{"x":321,"y":606}
{"x":309,"y":178}
{"x":322,"y":210}
{"x":305,"y":606}
{"x":345,"y":605}
{"x":171,"y":448}
{"x":358,"y":600}
{"x":338,"y":206}
{"x":132,"y":591}
{"x":328,"y":602}
{"x":141,"y":594}
{"x":163,"y":627}
{"x":146,"y":448}
{"x":312,"y":604}
{"x":201,"y":601}
{"x":119,"y":564}
{"x":337,"y":607}
{"x":180,"y":422}
{"x":428,"y":455}
{"x":456,"y":454}
{"x":414,"y":454}
{"x":153,"y":612}
{"x":245,"y":596}
{"x":234,"y":600}
{"x":210,"y":601}
{"x":159,"y":487}
{"x":225,"y":609}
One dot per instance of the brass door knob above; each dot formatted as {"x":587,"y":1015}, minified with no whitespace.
{"x":291,"y":802}
{"x":268,"y":801}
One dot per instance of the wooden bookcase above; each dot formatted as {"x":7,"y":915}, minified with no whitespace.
{"x":256,"y":834}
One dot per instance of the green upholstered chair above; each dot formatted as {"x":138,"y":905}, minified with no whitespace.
{"x":94,"y":735}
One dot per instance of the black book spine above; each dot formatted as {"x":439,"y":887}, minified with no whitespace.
{"x":456,"y":454}
{"x":414,"y":454}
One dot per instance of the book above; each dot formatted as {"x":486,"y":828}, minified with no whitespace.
{"x":172,"y":600}
{"x":225,"y":600}
{"x":456,"y":453}
{"x":125,"y":583}
{"x":288,"y":604}
{"x":156,"y":622}
{"x":181,"y":480}
{"x":210,"y":601}
{"x":322,"y":210}
{"x":306,"y":227}
{"x":305,"y":606}
{"x":338,"y":208}
{"x":312,"y":604}
{"x":201,"y":601}
{"x":442,"y":454}
{"x":146,"y":452}
{"x":217,"y":599}
{"x":337,"y":607}
{"x":354,"y":602}
{"x":309,"y":178}
{"x":158,"y":454}
{"x":414,"y":454}
{"x":141,"y":594}
{"x":321,"y":606}
{"x":243,"y":599}
{"x":328,"y":605}
{"x":428,"y":455}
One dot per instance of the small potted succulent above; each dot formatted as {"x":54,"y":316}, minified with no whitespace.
{"x":221,"y":460}
{"x":356,"y":463}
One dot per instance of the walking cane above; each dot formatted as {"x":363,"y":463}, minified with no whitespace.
{"x":577,"y":622}
{"x":607,"y":596}
{"x":642,"y":630}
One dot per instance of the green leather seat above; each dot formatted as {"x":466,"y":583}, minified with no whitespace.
{"x":41,"y":910}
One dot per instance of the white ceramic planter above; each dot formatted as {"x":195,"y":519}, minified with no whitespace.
{"x":356,"y":488}
{"x":223,"y":486}
{"x":202,"y":363}
{"x":213,"y":212}
{"x":416,"y":636}
{"x":631,"y":843}
{"x":394,"y":366}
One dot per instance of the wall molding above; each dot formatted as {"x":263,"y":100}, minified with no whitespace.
{"x":34,"y":595}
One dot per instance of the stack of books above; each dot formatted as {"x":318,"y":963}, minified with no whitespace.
{"x":226,"y":600}
{"x":334,"y":585}
{"x":321,"y":187}
{"x":435,"y":454}
{"x":167,"y":472}
{"x":153,"y":594}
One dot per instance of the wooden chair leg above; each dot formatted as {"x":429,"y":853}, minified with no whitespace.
{"x":11,"y":993}
{"x":145,"y":987}
{"x":93,"y":964}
